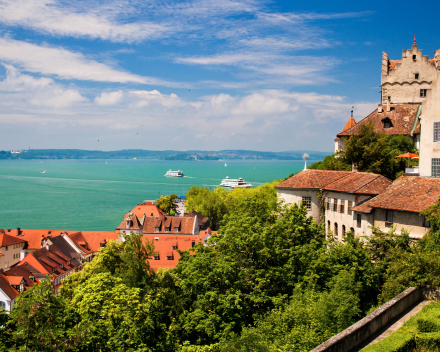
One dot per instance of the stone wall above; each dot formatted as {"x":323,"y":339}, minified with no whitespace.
{"x":360,"y":332}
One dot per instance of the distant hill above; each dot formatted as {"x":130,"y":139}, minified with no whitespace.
{"x":161,"y":155}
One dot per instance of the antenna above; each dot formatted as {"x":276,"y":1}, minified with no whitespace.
{"x":305,"y":157}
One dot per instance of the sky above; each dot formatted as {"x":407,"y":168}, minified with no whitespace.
{"x":196,"y":75}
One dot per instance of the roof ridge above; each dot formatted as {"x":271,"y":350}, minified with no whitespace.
{"x":365,"y":185}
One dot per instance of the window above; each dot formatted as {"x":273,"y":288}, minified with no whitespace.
{"x":6,"y":248}
{"x":328,"y":225}
{"x":343,"y":230}
{"x":157,"y":229}
{"x":422,"y":93}
{"x":352,"y":230}
{"x":436,"y":131}
{"x":336,"y":229}
{"x":335,"y":205}
{"x":414,"y":57}
{"x":435,"y":167}
{"x":167,"y":229}
{"x":426,"y":223}
{"x":342,"y":207}
{"x":61,"y":265}
{"x":176,"y":229}
{"x":6,"y":265}
{"x":170,"y":257}
{"x":156,"y":257}
{"x":416,"y":76}
{"x":328,"y":203}
{"x":175,"y":247}
{"x":350,"y":205}
{"x":389,"y":216}
{"x":307,"y":202}
{"x":358,"y":220}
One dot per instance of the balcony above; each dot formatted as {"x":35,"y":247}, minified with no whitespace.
{"x":412,"y":170}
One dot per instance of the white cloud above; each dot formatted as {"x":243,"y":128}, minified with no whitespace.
{"x":64,"y":64}
{"x":69,"y":19}
{"x":110,"y":98}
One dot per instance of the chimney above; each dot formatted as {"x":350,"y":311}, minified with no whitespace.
{"x":354,"y":167}
{"x":18,"y":231}
{"x":388,"y":104}
{"x":379,"y":108}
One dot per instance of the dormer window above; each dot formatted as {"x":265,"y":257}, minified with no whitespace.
{"x":157,"y":229}
{"x":61,"y":265}
{"x":170,"y":257}
{"x":54,"y":269}
{"x":175,"y":247}
{"x":156,"y":257}
{"x":167,"y":229}
{"x":176,"y":229}
{"x":416,"y":76}
{"x":387,"y":123}
{"x":68,"y":263}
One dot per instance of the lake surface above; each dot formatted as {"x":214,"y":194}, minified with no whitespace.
{"x":95,"y":194}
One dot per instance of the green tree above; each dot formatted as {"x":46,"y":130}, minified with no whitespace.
{"x":374,"y":152}
{"x":166,"y":203}
{"x":42,"y":321}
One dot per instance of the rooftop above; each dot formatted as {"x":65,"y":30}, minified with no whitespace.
{"x":310,"y":178}
{"x":360,"y":183}
{"x":401,"y":117}
{"x":8,"y":240}
{"x":407,"y":193}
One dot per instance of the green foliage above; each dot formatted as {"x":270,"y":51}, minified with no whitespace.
{"x":216,"y":204}
{"x":374,"y":152}
{"x":166,"y":203}
{"x":420,"y":333}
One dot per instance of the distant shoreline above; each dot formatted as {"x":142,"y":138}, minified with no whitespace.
{"x":225,"y":155}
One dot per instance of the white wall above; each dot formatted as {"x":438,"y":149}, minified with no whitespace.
{"x":294,"y":196}
{"x":9,"y":304}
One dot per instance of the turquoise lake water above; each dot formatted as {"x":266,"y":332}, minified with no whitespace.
{"x":95,"y":194}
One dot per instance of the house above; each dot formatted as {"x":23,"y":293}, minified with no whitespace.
{"x":399,"y":206}
{"x":146,"y":208}
{"x":12,"y":283}
{"x":10,"y":249}
{"x":343,"y":194}
{"x":167,"y":248}
{"x":158,"y":225}
{"x":202,"y":220}
{"x":304,"y":188}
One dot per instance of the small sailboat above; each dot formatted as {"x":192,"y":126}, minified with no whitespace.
{"x":226,"y":164}
{"x":44,"y":171}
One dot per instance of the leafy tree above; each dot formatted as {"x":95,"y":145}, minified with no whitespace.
{"x":166,"y":203}
{"x":42,"y":321}
{"x":374,"y":152}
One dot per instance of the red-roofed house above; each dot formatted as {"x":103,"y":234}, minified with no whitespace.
{"x":399,"y":206}
{"x":147,"y":209}
{"x":10,"y":248}
{"x":12,"y":283}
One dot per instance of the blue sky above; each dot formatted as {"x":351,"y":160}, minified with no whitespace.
{"x":208,"y":75}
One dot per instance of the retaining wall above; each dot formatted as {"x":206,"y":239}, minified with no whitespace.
{"x":358,"y":333}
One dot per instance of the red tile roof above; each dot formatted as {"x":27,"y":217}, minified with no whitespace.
{"x":350,"y":123}
{"x":34,"y":237}
{"x":185,"y":225}
{"x":359,"y":183}
{"x":163,"y":246}
{"x":315,"y":179}
{"x":407,"y":193}
{"x":95,"y":238}
{"x":80,"y":241}
{"x":8,"y":240}
{"x":6,"y":287}
{"x":147,"y":208}
{"x":23,"y":272}
{"x":401,"y":116}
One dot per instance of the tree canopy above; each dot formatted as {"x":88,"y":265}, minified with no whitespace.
{"x":374,"y":152}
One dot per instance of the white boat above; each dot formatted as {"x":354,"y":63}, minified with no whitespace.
{"x":44,"y":171}
{"x":177,"y":173}
{"x":235,"y":183}
{"x":226,"y":164}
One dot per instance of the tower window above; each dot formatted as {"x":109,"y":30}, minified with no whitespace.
{"x":414,"y":57}
{"x":422,"y":93}
{"x":416,"y":76}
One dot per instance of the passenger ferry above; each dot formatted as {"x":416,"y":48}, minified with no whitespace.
{"x":235,"y":183}
{"x":177,"y":173}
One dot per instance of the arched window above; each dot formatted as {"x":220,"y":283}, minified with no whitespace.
{"x":343,"y":230}
{"x":387,"y":123}
{"x":336,"y":230}
{"x":352,"y":230}
{"x":328,"y":226}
